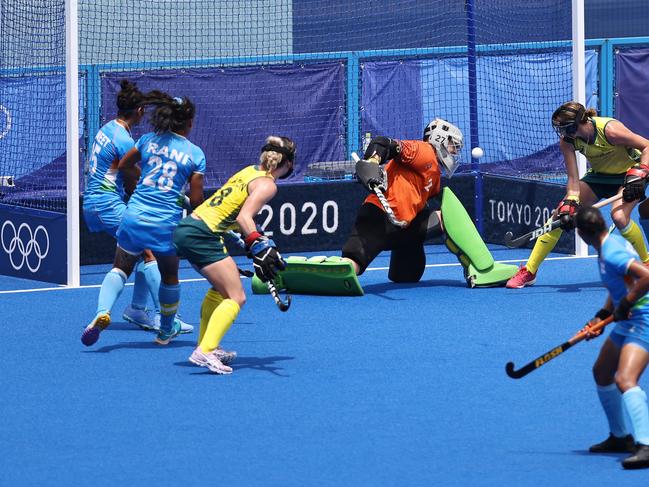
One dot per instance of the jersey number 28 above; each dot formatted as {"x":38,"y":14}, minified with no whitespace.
{"x":162,"y":175}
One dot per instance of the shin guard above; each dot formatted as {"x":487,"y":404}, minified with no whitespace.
{"x":463,"y":239}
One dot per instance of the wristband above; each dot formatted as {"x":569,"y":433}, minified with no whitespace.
{"x":251,"y":238}
{"x":603,"y":313}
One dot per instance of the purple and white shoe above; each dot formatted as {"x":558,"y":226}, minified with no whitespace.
{"x":91,"y":333}
{"x":225,"y":356}
{"x":209,"y":360}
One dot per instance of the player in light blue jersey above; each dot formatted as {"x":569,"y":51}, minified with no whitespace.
{"x":104,"y":200}
{"x":625,"y":353}
{"x":168,"y":161}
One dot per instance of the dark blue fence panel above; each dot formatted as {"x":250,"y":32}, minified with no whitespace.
{"x":244,"y":105}
{"x":391,"y":100}
{"x":631,"y":82}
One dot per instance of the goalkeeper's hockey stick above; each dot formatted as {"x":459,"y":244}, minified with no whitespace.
{"x":554,"y":353}
{"x":513,"y":243}
{"x":384,"y":201}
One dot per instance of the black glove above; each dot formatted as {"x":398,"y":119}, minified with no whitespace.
{"x":623,"y":310}
{"x":566,"y":211}
{"x":371,"y":175}
{"x":266,"y":260}
{"x":635,"y":182}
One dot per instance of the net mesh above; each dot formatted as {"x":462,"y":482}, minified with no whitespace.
{"x":330,"y":76}
{"x":32,"y":103}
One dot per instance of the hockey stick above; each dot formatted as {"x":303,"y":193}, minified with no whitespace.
{"x":283,"y":306}
{"x":547,"y":227}
{"x":384,"y":201}
{"x":554,"y":353}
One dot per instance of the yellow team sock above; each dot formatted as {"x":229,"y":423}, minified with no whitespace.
{"x":220,"y":321}
{"x":542,"y":248}
{"x":211,"y":300}
{"x":634,"y":235}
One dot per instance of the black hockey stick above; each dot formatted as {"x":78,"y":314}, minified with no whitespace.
{"x":384,"y":201}
{"x":282,"y":305}
{"x":554,"y":353}
{"x":547,"y":227}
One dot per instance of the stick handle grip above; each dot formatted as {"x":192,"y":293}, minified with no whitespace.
{"x":608,"y":201}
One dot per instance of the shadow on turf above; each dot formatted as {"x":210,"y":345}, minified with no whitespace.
{"x":586,"y":453}
{"x":141,"y":345}
{"x":570,"y":288}
{"x":383,"y":287}
{"x":265,"y":364}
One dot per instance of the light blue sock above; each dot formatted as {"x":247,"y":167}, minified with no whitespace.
{"x":611,"y":399}
{"x":111,"y":288}
{"x":169,"y":299}
{"x":152,"y":277}
{"x":635,"y":402}
{"x":140,"y":288}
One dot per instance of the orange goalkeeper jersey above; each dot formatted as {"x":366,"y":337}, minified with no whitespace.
{"x":413,"y":178}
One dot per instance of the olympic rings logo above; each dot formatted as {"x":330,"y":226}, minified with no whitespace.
{"x":21,"y":244}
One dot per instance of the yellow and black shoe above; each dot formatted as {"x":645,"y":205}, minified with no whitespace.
{"x":91,"y":333}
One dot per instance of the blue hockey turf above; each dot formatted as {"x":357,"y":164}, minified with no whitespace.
{"x":402,"y":387}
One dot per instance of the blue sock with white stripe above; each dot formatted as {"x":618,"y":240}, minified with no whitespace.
{"x":611,"y":399}
{"x":140,"y":289}
{"x":111,"y":287}
{"x":635,"y":403}
{"x":152,"y":278}
{"x":169,"y":299}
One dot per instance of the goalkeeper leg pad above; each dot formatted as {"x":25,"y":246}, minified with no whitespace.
{"x":319,"y":275}
{"x":463,"y":239}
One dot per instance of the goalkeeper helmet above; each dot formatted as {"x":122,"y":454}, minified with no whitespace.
{"x":566,"y":119}
{"x":447,"y":140}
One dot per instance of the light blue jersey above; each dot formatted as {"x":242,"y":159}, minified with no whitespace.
{"x":615,"y":257}
{"x":168,"y":161}
{"x":154,"y":210}
{"x":111,"y":143}
{"x":103,"y":197}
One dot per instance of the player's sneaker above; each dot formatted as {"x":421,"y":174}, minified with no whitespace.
{"x":614,"y":444}
{"x":209,"y":360}
{"x":139,"y":317}
{"x":91,"y":333}
{"x":225,"y":356}
{"x":521,"y":279}
{"x":184,"y":327}
{"x":640,"y":459}
{"x":164,"y":338}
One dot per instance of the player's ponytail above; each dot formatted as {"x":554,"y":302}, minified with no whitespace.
{"x":129,"y":98}
{"x":170,"y":114}
{"x":277,"y":151}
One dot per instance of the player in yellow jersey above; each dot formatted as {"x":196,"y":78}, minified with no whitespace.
{"x":619,"y":162}
{"x":199,"y":238}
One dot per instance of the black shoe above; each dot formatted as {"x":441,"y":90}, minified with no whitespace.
{"x":613,"y":444}
{"x":640,"y":459}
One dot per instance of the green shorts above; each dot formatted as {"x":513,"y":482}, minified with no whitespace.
{"x":197,"y":243}
{"x":603,"y":185}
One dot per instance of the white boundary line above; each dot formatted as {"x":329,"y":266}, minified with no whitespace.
{"x":201,"y":279}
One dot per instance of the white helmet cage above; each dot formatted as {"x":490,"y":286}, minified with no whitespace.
{"x":447,"y":140}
